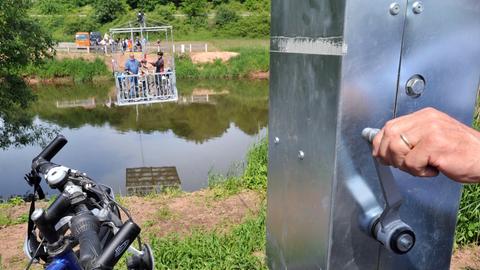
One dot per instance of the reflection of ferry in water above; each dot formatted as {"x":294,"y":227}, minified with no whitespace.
{"x":197,"y":96}
{"x":148,"y":180}
{"x":200,"y":96}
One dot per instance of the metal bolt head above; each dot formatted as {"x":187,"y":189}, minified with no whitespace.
{"x":415,"y":86}
{"x":301,"y":155}
{"x":417,"y":7}
{"x":405,"y":242}
{"x":394,"y":8}
{"x":276,"y":140}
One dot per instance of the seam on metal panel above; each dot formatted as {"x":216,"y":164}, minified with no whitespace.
{"x":338,"y":134}
{"x":308,"y":45}
{"x":400,"y":60}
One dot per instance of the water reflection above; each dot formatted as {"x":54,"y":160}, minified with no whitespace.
{"x":196,"y":136}
{"x":241,"y":103}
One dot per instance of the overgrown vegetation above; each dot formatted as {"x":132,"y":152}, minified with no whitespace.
{"x":192,"y":19}
{"x":468,"y":223}
{"x":78,"y":70}
{"x":241,"y":248}
{"x":249,"y":60}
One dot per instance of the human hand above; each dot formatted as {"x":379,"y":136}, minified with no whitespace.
{"x":432,"y":142}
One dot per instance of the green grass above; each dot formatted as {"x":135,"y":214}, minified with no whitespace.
{"x":79,"y":70}
{"x":6,"y":218}
{"x":468,"y":219}
{"x":249,"y":60}
{"x":468,"y":223}
{"x":237,"y":249}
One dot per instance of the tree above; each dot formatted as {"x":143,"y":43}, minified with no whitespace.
{"x":225,"y":15}
{"x":108,"y":10}
{"x":22,"y":42}
{"x":196,"y":11}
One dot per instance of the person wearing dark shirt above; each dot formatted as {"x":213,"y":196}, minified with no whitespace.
{"x":159,"y":64}
{"x":159,"y":68}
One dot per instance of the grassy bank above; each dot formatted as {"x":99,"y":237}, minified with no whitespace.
{"x":79,"y":70}
{"x":249,"y":60}
{"x":242,"y":247}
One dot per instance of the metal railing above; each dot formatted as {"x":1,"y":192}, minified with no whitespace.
{"x":146,"y":88}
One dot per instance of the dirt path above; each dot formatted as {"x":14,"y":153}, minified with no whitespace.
{"x":158,"y":216}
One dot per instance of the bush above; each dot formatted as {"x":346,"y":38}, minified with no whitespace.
{"x":166,"y":11}
{"x":248,"y":61}
{"x":78,"y":69}
{"x":82,"y":24}
{"x":258,"y":5}
{"x":225,"y":15}
{"x":254,"y":26}
{"x":196,"y":11}
{"x":108,"y":10}
{"x":52,"y":7}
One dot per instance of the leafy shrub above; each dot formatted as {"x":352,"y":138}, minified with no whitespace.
{"x":52,"y":7}
{"x":225,"y":15}
{"x":248,"y":61}
{"x":196,"y":11}
{"x":253,"y":26}
{"x":78,"y":69}
{"x":258,"y":5}
{"x":82,"y":24}
{"x":166,"y":11}
{"x":108,"y":10}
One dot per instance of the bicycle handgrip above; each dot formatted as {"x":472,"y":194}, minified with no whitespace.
{"x":52,"y":148}
{"x":85,"y":228}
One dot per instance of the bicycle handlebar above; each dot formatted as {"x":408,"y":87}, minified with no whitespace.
{"x":84,"y":225}
{"x":52,"y":148}
{"x":41,"y":163}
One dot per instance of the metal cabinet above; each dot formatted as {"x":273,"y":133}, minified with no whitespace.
{"x":338,"y":66}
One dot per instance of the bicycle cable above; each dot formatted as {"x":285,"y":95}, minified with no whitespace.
{"x":35,"y":254}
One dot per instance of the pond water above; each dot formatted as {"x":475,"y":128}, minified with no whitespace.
{"x":209,"y":130}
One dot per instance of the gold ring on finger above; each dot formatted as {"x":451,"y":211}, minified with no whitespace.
{"x":405,"y":140}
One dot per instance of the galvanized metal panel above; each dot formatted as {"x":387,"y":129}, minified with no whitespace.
{"x":335,"y":69}
{"x":369,"y":83}
{"x":303,"y":94}
{"x":442,"y":44}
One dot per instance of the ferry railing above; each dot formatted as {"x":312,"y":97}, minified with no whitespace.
{"x":145,"y":88}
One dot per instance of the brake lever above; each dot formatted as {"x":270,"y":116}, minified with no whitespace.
{"x":388,"y":228}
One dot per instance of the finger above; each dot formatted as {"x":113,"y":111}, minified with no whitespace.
{"x":376,"y":143}
{"x":417,"y":162}
{"x":383,"y":150}
{"x":397,"y":152}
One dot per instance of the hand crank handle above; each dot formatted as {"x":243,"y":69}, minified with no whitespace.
{"x":388,"y":228}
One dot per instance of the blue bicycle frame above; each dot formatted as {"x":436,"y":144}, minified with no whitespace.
{"x":65,"y":261}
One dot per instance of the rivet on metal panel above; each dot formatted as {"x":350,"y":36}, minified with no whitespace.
{"x":394,"y":8}
{"x":301,"y":155}
{"x":276,"y":140}
{"x":417,"y":7}
{"x":415,"y":86}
